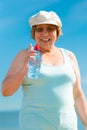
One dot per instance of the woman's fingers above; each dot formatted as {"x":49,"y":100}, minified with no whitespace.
{"x":31,"y":53}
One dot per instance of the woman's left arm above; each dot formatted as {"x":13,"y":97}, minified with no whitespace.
{"x":81,"y":107}
{"x":79,"y":97}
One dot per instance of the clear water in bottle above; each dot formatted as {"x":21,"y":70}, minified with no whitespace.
{"x":34,"y":66}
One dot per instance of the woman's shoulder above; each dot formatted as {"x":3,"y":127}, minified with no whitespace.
{"x":21,"y":53}
{"x":71,"y":56}
{"x":69,"y":52}
{"x":20,"y":57}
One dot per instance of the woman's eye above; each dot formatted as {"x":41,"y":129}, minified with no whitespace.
{"x":39,"y":29}
{"x":50,"y":29}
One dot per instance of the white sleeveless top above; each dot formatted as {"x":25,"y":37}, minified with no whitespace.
{"x":48,"y":102}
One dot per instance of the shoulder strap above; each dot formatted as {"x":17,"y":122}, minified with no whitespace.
{"x":67,"y":57}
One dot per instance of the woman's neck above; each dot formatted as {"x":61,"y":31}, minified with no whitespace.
{"x":48,"y":50}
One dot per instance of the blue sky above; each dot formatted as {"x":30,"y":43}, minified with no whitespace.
{"x":15,"y":35}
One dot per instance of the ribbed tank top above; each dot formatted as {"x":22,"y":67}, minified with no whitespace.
{"x":48,"y":102}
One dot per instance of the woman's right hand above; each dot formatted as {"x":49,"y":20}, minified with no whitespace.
{"x":31,"y":53}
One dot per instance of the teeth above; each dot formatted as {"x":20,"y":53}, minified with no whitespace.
{"x":45,"y":40}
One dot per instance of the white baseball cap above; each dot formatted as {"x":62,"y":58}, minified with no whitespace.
{"x":44,"y":17}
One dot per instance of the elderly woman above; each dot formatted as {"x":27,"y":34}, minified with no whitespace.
{"x":49,"y":102}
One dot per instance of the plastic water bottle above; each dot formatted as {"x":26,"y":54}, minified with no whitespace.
{"x":34,"y":66}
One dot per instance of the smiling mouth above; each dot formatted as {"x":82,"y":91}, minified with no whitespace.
{"x":45,"y":40}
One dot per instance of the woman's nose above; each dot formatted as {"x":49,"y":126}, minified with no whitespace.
{"x":45,"y":31}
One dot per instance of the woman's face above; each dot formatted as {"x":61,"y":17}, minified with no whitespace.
{"x":45,"y":35}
